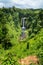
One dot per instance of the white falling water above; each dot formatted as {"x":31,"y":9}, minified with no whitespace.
{"x":23,"y":21}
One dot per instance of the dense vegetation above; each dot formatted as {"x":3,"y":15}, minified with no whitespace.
{"x":11,"y":47}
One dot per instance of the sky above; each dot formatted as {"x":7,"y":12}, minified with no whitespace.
{"x":35,"y":4}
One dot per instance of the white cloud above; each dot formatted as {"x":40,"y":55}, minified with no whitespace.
{"x":1,"y":5}
{"x":28,"y":3}
{"x":22,"y":3}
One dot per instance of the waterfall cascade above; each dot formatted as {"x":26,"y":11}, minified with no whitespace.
{"x":23,"y":24}
{"x":23,"y":33}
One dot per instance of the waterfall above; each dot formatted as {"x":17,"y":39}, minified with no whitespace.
{"x":23,"y":22}
{"x":23,"y":33}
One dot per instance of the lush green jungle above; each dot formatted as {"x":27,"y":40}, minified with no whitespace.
{"x":12,"y":48}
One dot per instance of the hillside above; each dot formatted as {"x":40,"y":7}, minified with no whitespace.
{"x":12,"y":48}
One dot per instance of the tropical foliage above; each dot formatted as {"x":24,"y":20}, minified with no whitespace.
{"x":11,"y":47}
